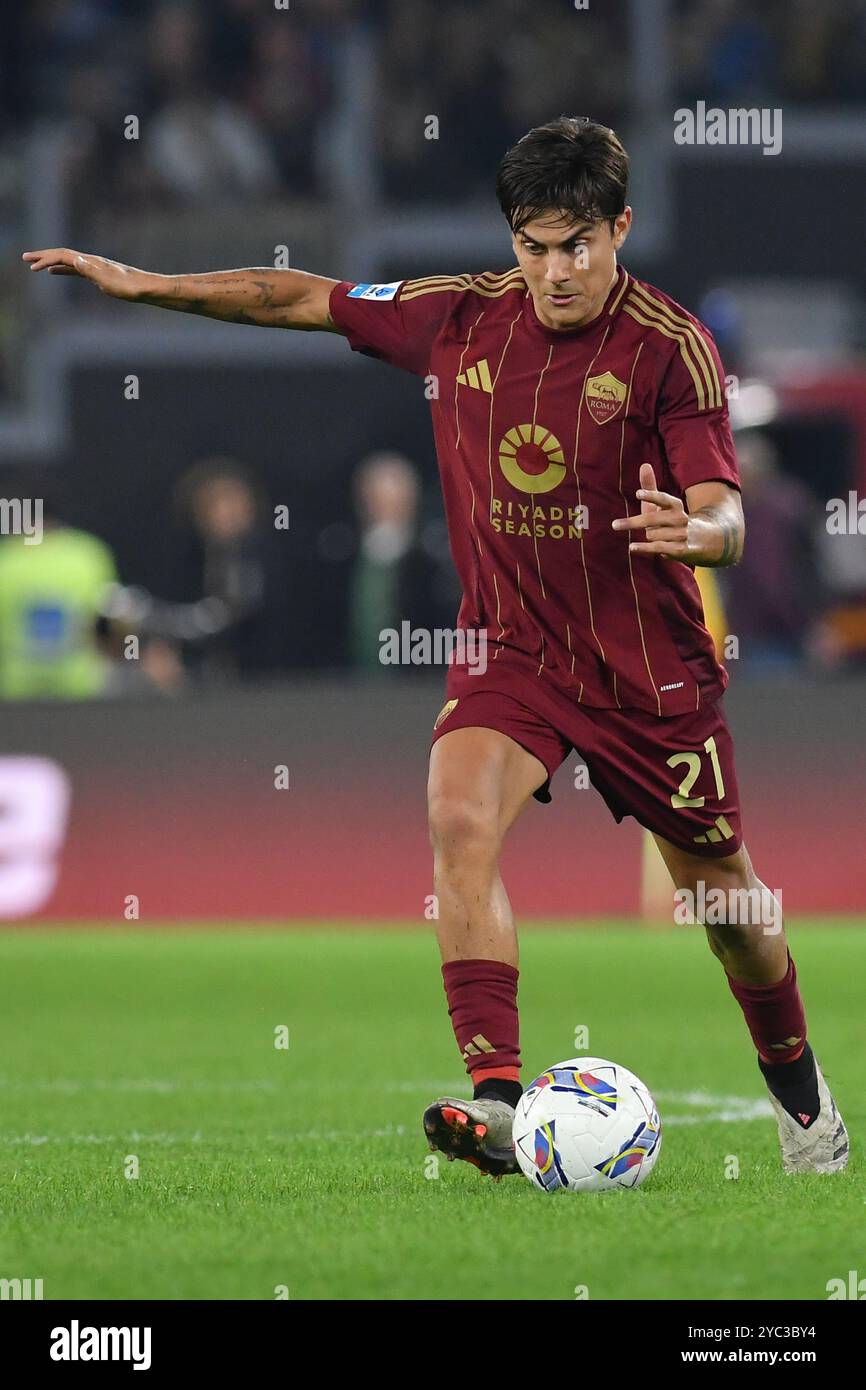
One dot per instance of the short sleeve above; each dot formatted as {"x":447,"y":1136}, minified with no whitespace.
{"x":396,"y":322}
{"x":693,"y":414}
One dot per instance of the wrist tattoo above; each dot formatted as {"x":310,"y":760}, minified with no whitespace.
{"x":732,"y":540}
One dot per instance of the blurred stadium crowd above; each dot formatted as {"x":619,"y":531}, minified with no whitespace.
{"x":235,"y":102}
{"x":738,"y":52}
{"x":236,"y":106}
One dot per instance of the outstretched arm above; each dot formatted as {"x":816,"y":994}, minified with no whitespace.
{"x":261,"y":296}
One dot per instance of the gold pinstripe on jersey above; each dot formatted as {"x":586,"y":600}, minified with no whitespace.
{"x":598,"y":353}
{"x":622,"y":289}
{"x":459,"y":429}
{"x":490,"y":432}
{"x":685,"y":350}
{"x":694,"y":348}
{"x":625,"y":505}
{"x":494,"y":289}
{"x":680,"y":321}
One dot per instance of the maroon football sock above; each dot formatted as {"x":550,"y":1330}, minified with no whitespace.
{"x":774,"y":1016}
{"x":482,"y":1002}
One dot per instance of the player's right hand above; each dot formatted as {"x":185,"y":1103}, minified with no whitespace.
{"x":120,"y":281}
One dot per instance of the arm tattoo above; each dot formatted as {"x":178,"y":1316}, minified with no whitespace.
{"x":732,"y":544}
{"x":267,"y":289}
{"x":254,"y":296}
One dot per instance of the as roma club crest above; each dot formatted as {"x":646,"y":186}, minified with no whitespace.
{"x":604,"y":397}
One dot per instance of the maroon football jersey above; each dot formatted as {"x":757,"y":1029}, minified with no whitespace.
{"x":540,"y":434}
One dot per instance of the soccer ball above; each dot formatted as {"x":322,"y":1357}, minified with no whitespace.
{"x":586,"y":1125}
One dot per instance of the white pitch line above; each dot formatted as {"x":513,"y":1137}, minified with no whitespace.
{"x":725,"y":1109}
{"x":216,"y":1140}
{"x":743,"y":1112}
{"x":758,"y":1110}
{"x":711,"y":1108}
{"x":703,"y":1100}
{"x":156,"y":1085}
{"x":133,"y":1137}
{"x":312,"y":1136}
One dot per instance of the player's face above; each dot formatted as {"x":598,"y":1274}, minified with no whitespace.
{"x":569,"y":267}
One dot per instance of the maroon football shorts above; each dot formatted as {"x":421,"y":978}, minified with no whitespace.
{"x":674,"y":775}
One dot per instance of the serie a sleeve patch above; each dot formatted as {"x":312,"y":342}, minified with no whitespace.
{"x":378,"y":292}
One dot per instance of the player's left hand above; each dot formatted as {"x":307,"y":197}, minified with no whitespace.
{"x":663,"y":518}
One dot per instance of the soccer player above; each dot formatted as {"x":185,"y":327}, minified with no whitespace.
{"x":587,"y":467}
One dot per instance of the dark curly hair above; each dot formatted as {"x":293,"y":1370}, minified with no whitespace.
{"x":573,"y":165}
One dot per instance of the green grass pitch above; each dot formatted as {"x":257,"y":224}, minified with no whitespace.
{"x":305,"y":1168}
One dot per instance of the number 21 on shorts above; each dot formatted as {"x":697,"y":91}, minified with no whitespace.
{"x":692,"y":761}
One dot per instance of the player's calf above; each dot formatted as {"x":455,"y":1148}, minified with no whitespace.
{"x":746,"y":934}
{"x":741,"y":916}
{"x":480,"y":779}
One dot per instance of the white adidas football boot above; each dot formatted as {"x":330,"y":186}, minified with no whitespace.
{"x":823,"y":1147}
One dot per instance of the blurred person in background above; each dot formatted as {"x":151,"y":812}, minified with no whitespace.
{"x":395,"y":577}
{"x":541,"y":60}
{"x":227,"y":620}
{"x":51,"y":594}
{"x":96,"y":168}
{"x":201,"y":146}
{"x":157,"y":668}
{"x":420,"y":81}
{"x":521,"y":68}
{"x":771,"y":596}
{"x":285,"y":92}
{"x":228,"y":564}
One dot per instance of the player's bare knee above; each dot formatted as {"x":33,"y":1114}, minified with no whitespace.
{"x":728,"y":939}
{"x":729,"y":900}
{"x":461,"y":829}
